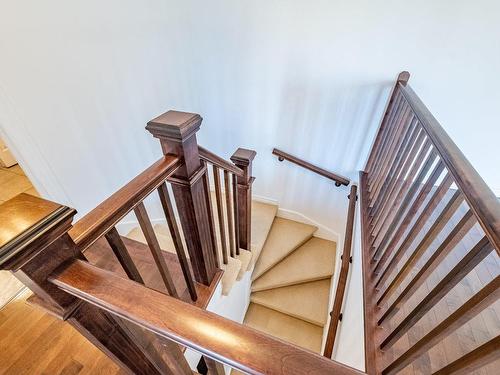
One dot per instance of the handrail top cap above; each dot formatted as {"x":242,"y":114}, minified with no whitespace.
{"x":25,"y":218}
{"x":175,"y":125}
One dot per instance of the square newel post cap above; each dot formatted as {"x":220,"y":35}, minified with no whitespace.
{"x":174,"y":125}
{"x":243,"y":156}
{"x":27,"y":224}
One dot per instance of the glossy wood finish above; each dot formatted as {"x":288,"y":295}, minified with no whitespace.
{"x":477,"y":303}
{"x":215,"y":337}
{"x":154,"y":246}
{"x":176,"y":238}
{"x":46,"y":246}
{"x":177,"y":134}
{"x":211,"y":220}
{"x":229,"y":215}
{"x":243,"y":159}
{"x":219,"y":162}
{"x":35,"y":342}
{"x":339,"y":180}
{"x":220,"y":214}
{"x":344,"y":270}
{"x":100,"y":255}
{"x":421,"y":244}
{"x":479,"y":196}
{"x":476,"y":359}
{"x":120,"y":250}
{"x":107,"y":214}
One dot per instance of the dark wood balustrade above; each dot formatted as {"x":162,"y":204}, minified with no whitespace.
{"x":339,"y":180}
{"x":141,"y":329}
{"x":422,"y":204}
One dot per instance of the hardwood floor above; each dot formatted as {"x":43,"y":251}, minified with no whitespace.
{"x":476,"y":332}
{"x":34,"y":342}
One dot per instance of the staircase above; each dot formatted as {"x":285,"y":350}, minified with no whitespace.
{"x":291,"y":275}
{"x":427,"y":246}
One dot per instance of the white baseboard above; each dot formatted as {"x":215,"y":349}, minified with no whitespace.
{"x":261,"y":199}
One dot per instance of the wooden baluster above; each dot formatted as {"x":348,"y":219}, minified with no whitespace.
{"x":220,"y":214}
{"x":426,"y":213}
{"x":176,"y":237}
{"x":474,"y":360}
{"x":387,"y":228}
{"x":230,"y":227}
{"x":422,"y":160}
{"x":408,"y":140}
{"x":34,"y":243}
{"x":414,"y":154}
{"x":404,"y":121}
{"x":403,"y":77}
{"x":452,"y":240}
{"x":243,"y":159}
{"x":214,"y":367}
{"x":177,"y":134}
{"x":440,"y":222}
{"x":235,"y":215}
{"x":408,"y":216}
{"x":154,"y":247}
{"x":477,"y":303}
{"x":392,"y":121}
{"x":376,"y":147}
{"x":121,"y":253}
{"x":208,"y":195}
{"x":376,"y":173}
{"x":480,"y":251}
{"x":408,"y":172}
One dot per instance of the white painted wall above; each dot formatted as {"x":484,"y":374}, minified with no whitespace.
{"x":79,"y":80}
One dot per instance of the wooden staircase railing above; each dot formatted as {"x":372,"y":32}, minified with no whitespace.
{"x":336,"y":313}
{"x":428,"y":220}
{"x":339,"y":180}
{"x":141,"y":329}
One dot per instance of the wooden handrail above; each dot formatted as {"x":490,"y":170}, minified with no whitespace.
{"x":478,"y":195}
{"x":221,"y":339}
{"x":219,"y":162}
{"x":104,"y":217}
{"x":344,"y":270}
{"x":339,"y":180}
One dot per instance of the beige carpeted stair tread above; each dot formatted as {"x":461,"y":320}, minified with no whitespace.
{"x":263,"y":215}
{"x":285,"y":236}
{"x":314,"y":260}
{"x":231,"y":271}
{"x":285,"y":327}
{"x":307,"y":301}
{"x":245,"y":257}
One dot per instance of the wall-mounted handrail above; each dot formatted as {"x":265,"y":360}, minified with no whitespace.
{"x":221,"y":339}
{"x":106,"y":215}
{"x":219,"y":162}
{"x":478,"y":194}
{"x":344,"y":271}
{"x":339,"y":180}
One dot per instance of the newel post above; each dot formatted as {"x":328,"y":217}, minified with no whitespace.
{"x":243,"y":158}
{"x":177,"y":134}
{"x":34,"y":242}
